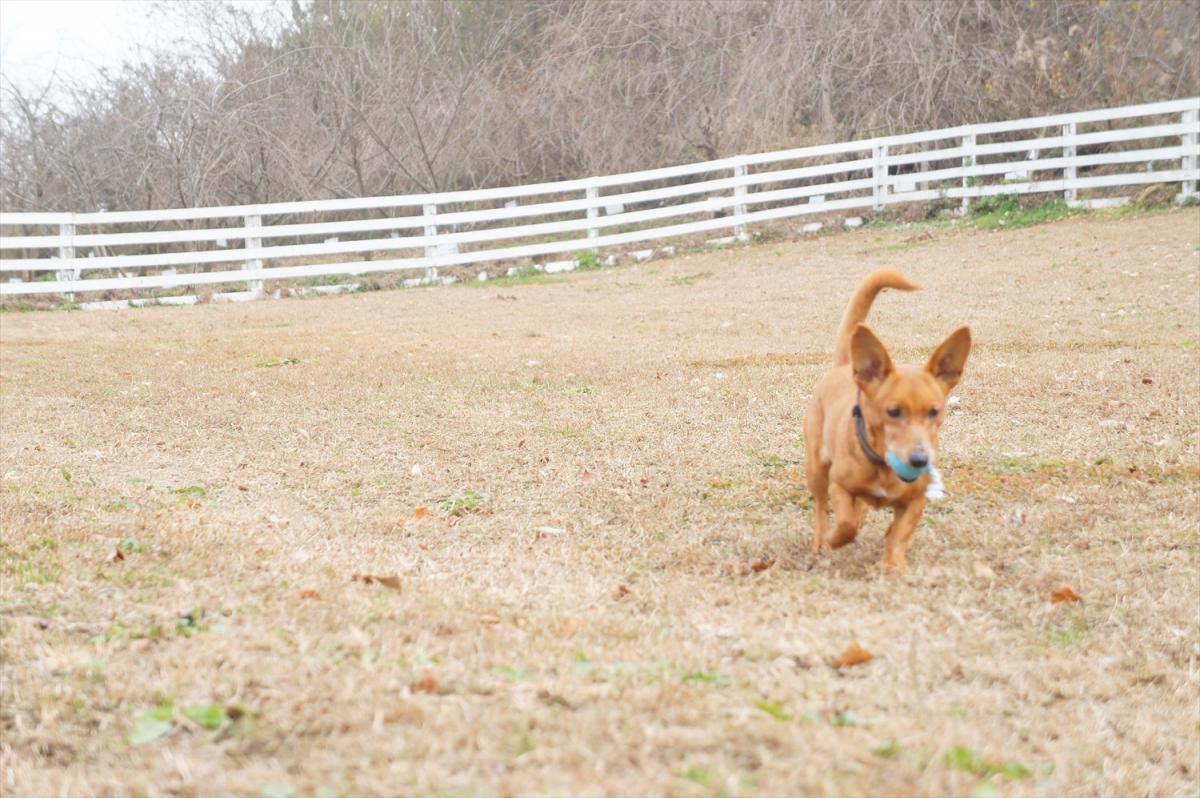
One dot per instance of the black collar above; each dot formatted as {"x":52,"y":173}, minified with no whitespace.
{"x":860,"y":426}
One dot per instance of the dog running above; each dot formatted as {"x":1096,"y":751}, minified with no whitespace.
{"x":871,"y":431}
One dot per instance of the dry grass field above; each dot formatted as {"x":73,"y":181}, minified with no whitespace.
{"x":552,"y":539}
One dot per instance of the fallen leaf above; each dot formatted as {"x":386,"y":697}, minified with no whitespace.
{"x":115,"y":555}
{"x":538,"y":380}
{"x":554,"y":699}
{"x":1064,"y":593}
{"x":621,"y":592}
{"x":644,"y":482}
{"x":761,"y":566}
{"x":309,"y":594}
{"x":426,"y":684}
{"x":587,"y":476}
{"x":392,"y":582}
{"x":855,"y":655}
{"x":421,"y":512}
{"x":1147,"y":381}
{"x":983,"y":570}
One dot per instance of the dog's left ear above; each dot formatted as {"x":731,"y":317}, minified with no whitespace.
{"x":946,"y":364}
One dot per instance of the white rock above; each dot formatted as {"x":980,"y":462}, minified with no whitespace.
{"x":853,"y":221}
{"x":642,"y":254}
{"x":110,"y":304}
{"x":811,"y":227}
{"x":415,"y":470}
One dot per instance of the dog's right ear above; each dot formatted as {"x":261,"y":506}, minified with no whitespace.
{"x":869,"y":359}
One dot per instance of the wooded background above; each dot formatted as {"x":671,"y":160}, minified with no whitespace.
{"x":347,"y":98}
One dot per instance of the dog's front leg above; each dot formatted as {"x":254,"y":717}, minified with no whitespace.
{"x":848,"y":512}
{"x":904,"y":524}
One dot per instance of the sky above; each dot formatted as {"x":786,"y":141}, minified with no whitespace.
{"x":78,"y":37}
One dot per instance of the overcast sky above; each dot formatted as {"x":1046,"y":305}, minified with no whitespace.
{"x":76,"y":37}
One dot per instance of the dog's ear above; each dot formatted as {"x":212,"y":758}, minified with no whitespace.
{"x":869,"y":359}
{"x":946,"y":364}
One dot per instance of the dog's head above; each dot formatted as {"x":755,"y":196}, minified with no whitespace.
{"x":905,"y":402}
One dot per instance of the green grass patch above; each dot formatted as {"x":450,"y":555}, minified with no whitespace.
{"x":962,"y":758}
{"x":1009,"y":213}
{"x":688,"y":279}
{"x":461,"y":504}
{"x":704,"y":677}
{"x":775,"y":710}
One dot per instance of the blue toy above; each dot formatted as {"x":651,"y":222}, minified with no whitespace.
{"x":904,"y":470}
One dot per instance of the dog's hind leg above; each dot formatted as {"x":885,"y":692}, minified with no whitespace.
{"x":849,"y":513}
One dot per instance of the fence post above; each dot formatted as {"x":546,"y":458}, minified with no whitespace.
{"x":1189,"y":162}
{"x":739,"y":209}
{"x":66,"y":252}
{"x":593,"y":211}
{"x":253,"y":241}
{"x":968,"y":145}
{"x":1070,"y":194}
{"x":430,"y":214}
{"x":879,"y":190}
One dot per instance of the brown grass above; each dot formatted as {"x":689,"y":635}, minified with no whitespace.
{"x":611,"y":592}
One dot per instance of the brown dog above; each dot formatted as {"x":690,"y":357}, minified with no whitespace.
{"x":871,"y":432}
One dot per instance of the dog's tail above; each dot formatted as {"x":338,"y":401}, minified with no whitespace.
{"x":860,"y":306}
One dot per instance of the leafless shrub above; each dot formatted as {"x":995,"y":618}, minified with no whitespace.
{"x":342,"y":98}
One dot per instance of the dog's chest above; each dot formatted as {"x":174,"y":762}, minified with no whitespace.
{"x":886,"y":493}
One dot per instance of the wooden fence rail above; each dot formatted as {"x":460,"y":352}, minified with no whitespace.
{"x":1069,"y":154}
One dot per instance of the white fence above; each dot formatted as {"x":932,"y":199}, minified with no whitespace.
{"x":1070,"y":154}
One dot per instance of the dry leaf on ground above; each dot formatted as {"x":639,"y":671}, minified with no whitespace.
{"x":115,"y":555}
{"x":621,"y":592}
{"x":426,"y":684}
{"x":392,"y":582}
{"x":855,"y":655}
{"x":310,"y":594}
{"x":1064,"y":593}
{"x":421,"y":512}
{"x":761,"y":566}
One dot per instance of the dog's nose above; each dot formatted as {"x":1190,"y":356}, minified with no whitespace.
{"x":918,"y":459}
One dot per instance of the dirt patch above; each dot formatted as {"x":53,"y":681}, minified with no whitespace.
{"x":583,"y":516}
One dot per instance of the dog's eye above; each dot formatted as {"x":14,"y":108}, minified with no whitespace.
{"x":934,"y":413}
{"x":895,"y":412}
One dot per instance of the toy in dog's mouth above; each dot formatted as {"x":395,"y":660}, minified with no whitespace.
{"x":904,"y":470}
